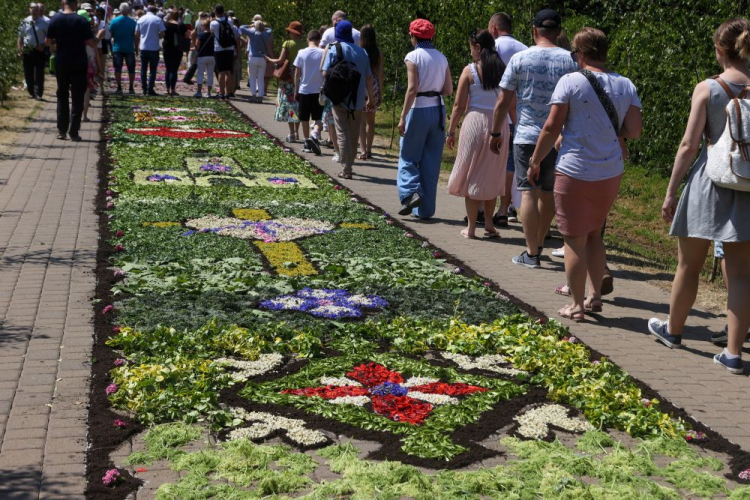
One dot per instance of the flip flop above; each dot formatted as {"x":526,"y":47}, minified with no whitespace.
{"x":490,"y":235}
{"x":566,"y":313}
{"x":465,"y":234}
{"x":563,"y":290}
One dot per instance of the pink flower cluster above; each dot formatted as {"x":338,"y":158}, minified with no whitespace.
{"x":120,"y":423}
{"x":695,"y":436}
{"x":111,"y":389}
{"x":111,"y":477}
{"x":120,"y":362}
{"x":744,"y":475}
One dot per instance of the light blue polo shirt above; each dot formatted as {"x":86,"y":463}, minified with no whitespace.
{"x":149,"y":27}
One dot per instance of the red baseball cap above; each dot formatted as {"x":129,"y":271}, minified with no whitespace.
{"x":422,"y":28}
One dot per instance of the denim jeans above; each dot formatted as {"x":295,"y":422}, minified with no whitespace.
{"x":149,"y":60}
{"x":420,"y":157}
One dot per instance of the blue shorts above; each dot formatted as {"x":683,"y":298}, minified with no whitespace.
{"x":119,"y":57}
{"x":546,"y":180}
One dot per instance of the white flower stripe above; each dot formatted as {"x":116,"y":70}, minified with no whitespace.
{"x":534,"y":424}
{"x":247,"y":369}
{"x":350,"y":400}
{"x":489,"y":362}
{"x":339,"y":382}
{"x":436,"y":399}
{"x":263,"y":424}
{"x":414,"y":381}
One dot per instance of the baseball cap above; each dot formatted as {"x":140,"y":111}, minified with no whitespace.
{"x":86,"y":6}
{"x":343,"y":32}
{"x":84,"y":15}
{"x":548,"y":19}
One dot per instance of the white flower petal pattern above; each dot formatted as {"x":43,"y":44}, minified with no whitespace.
{"x":263,"y":424}
{"x":247,"y":369}
{"x":489,"y":362}
{"x":534,"y":424}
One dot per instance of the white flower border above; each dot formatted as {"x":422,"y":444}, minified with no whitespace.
{"x":534,"y":424}
{"x":489,"y":362}
{"x":307,"y":227}
{"x":247,"y":369}
{"x":264,"y":424}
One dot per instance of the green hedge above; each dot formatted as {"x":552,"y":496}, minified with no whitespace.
{"x":664,"y":47}
{"x":10,"y":64}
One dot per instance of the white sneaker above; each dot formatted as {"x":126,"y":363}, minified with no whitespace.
{"x":290,"y":138}
{"x":560,"y":252}
{"x":335,"y":158}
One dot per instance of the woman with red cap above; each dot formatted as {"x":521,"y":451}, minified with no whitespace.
{"x":422,"y":124}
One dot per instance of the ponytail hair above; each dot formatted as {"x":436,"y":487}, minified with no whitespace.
{"x":733,"y":39}
{"x":492,"y":66}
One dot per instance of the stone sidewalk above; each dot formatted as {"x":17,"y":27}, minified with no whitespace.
{"x":48,"y":242}
{"x":687,"y":377}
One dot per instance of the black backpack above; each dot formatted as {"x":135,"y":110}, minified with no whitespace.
{"x":226,"y":34}
{"x":342,"y":82}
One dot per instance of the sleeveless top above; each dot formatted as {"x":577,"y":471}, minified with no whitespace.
{"x":478,"y":97}
{"x":705,"y":210}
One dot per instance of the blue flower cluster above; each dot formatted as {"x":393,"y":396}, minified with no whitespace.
{"x":283,"y":180}
{"x":324,"y":303}
{"x":215,"y":167}
{"x":389,"y":389}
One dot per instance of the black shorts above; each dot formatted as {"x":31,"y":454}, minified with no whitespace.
{"x":522,"y":156}
{"x":309,"y":107}
{"x":224,"y":61}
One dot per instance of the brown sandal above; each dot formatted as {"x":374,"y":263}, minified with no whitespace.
{"x":345,"y":175}
{"x":593,"y":305}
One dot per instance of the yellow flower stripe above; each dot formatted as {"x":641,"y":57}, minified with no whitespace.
{"x":286,"y":258}
{"x":356,"y":225}
{"x":161,"y":224}
{"x":251,"y":214}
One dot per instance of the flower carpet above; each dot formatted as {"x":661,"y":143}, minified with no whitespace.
{"x":267,"y":333}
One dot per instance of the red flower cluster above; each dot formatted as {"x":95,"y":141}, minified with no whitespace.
{"x":198,"y":133}
{"x":395,"y":407}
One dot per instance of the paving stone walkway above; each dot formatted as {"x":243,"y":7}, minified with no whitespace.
{"x":686,"y":376}
{"x":48,"y":241}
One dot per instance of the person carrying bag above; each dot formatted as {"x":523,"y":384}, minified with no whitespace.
{"x":728,"y":164}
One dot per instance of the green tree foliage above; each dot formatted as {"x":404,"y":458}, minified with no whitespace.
{"x":665,"y":47}
{"x":10,"y":64}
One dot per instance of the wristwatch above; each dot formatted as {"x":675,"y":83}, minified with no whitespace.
{"x":495,"y":135}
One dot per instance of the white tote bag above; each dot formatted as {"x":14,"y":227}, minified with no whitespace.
{"x":728,"y":164}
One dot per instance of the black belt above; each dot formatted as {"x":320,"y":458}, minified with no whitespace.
{"x":439,"y":95}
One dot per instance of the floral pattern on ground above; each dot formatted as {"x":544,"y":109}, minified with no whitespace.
{"x":535,"y":423}
{"x":188,"y":133}
{"x":262,"y":425}
{"x":331,"y":304}
{"x":269,"y":231}
{"x":389,"y":395}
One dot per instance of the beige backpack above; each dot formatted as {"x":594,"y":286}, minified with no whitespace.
{"x":728,"y":163}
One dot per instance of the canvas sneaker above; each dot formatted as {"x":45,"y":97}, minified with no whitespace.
{"x":560,"y":252}
{"x":335,"y":158}
{"x":527,"y":261}
{"x":410,"y":204}
{"x":660,"y":330}
{"x":732,"y":365}
{"x":512,"y":214}
{"x":315,"y":146}
{"x":306,"y":148}
{"x":723,"y":336}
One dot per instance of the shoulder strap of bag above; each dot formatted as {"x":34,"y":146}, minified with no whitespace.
{"x":606,"y":102}
{"x":33,"y":28}
{"x":737,"y":107}
{"x":339,"y":53}
{"x":204,"y":45}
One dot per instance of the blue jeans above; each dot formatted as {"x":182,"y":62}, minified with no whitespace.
{"x":420,"y":157}
{"x":149,"y":58}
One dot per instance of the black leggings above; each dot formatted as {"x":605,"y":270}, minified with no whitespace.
{"x":172,"y":60}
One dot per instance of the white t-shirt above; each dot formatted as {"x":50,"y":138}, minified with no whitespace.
{"x":149,"y":26}
{"x":431,"y":67}
{"x":507,"y":47}
{"x":590,"y":150}
{"x":311,"y":79}
{"x":215,"y":25}
{"x":330,"y":36}
{"x":533,"y":74}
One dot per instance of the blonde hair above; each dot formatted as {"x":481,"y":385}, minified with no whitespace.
{"x":733,"y":39}
{"x":259,"y":26}
{"x":592,"y":43}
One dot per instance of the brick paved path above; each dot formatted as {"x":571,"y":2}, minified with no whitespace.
{"x":687,"y":377}
{"x":48,"y":240}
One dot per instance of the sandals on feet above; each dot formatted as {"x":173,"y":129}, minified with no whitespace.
{"x":465,"y":234}
{"x":491,"y":235}
{"x":563,"y":290}
{"x":345,"y":175}
{"x":593,"y":305}
{"x":567,"y":313}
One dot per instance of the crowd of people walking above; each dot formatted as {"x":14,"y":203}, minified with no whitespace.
{"x":548,"y":121}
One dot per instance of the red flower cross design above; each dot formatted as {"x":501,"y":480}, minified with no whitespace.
{"x":409,"y":401}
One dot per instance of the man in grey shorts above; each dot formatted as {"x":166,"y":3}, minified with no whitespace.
{"x":532,"y":75}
